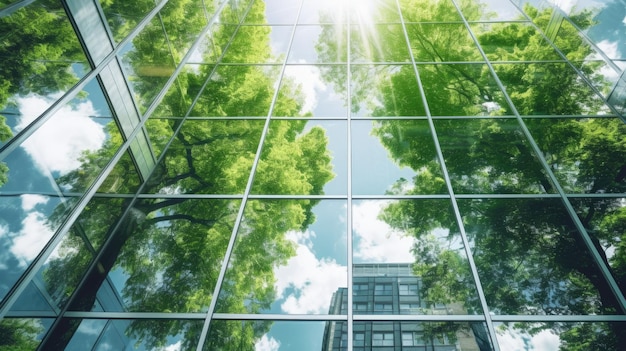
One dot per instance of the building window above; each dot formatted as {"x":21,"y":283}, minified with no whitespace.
{"x":410,"y":308}
{"x":360,"y":307}
{"x":412,"y":339}
{"x":359,"y":339}
{"x":408,"y":289}
{"x":383,"y":307}
{"x":360,"y":289}
{"x":382,"y":339}
{"x":383,"y":289}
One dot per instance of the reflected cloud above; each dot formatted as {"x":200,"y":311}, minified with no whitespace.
{"x":375,"y":240}
{"x":58,"y":145}
{"x":29,"y":201}
{"x":516,"y":340}
{"x":266,"y":344}
{"x":310,"y":82}
{"x":306,"y":282}
{"x":32,"y":238}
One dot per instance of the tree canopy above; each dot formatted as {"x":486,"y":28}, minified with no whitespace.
{"x":168,"y":252}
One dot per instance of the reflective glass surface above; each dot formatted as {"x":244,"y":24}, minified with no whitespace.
{"x":605,"y":220}
{"x":28,"y":221}
{"x":427,"y":174}
{"x":549,"y":89}
{"x":148,"y":62}
{"x":234,"y":91}
{"x":462,"y":90}
{"x":69,"y":150}
{"x":420,"y":336}
{"x":394,"y":157}
{"x":23,"y":333}
{"x":533,"y":260}
{"x":303,"y":158}
{"x":308,"y":86}
{"x":289,"y":257}
{"x":208,"y":157}
{"x":490,"y":156}
{"x":587,"y":155}
{"x":409,"y":259}
{"x":164,"y":256}
{"x":41,"y":59}
{"x":135,"y":334}
{"x":561,"y":336}
{"x":267,"y":335}
{"x":385,"y":90}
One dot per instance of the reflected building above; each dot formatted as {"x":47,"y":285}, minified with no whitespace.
{"x":393,"y":289}
{"x":214,"y":174}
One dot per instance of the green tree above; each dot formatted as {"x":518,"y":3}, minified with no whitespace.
{"x":19,"y":334}
{"x":170,"y":250}
{"x":529,"y":254}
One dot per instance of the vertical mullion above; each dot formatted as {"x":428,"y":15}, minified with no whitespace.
{"x":231,"y":243}
{"x":455,"y":207}
{"x":349,"y":173}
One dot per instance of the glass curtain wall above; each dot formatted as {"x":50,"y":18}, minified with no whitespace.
{"x":312,"y":175}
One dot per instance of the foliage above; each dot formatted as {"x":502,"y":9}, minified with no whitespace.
{"x":170,"y":250}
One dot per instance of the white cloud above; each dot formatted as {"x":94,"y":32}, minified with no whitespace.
{"x":266,"y":344}
{"x":32,"y":238}
{"x":513,"y":340}
{"x":29,"y":201}
{"x":313,"y":280}
{"x":4,"y":257}
{"x":611,"y":50}
{"x":310,"y":81}
{"x":174,"y":347}
{"x":57,"y":145}
{"x":565,"y":5}
{"x":375,"y":240}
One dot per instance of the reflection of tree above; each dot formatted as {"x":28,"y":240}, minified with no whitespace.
{"x":530,"y":256}
{"x":170,"y":250}
{"x":18,"y":334}
{"x":35,"y":61}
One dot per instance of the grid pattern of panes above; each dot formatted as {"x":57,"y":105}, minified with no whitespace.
{"x":334,"y":175}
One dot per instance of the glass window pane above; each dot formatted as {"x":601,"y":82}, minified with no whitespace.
{"x":598,"y":335}
{"x":163,"y":257}
{"x":289,"y":258}
{"x":586,"y":155}
{"x":395,"y":157}
{"x":490,"y":156}
{"x":534,"y":259}
{"x":274,"y":335}
{"x":304,"y":158}
{"x":41,"y":59}
{"x":123,"y":334}
{"x":414,"y":243}
{"x":208,"y":157}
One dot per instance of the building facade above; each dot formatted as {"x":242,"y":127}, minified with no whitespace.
{"x":306,"y":175}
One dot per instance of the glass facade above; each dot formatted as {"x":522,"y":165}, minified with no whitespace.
{"x":312,"y":175}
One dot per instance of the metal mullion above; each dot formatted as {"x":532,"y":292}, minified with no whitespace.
{"x":455,"y":207}
{"x":420,"y":318}
{"x":539,"y":154}
{"x":349,"y":224}
{"x":22,"y":135}
{"x":135,"y":315}
{"x":255,"y":162}
{"x":561,"y":318}
{"x":280,"y":317}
